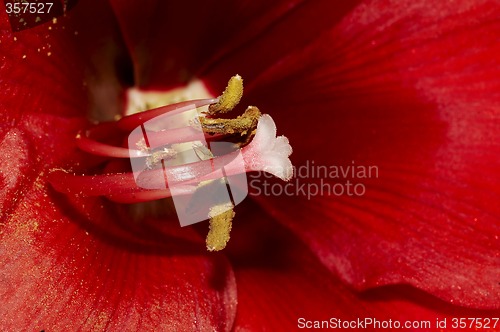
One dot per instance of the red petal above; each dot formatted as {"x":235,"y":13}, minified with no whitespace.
{"x":281,"y":281}
{"x":171,"y":42}
{"x":413,"y":89}
{"x":65,"y":67}
{"x":13,"y":165}
{"x":69,"y":269}
{"x":81,"y":265}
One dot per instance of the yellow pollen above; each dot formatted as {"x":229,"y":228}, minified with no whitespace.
{"x":156,"y":157}
{"x":230,"y":97}
{"x":221,"y":217}
{"x":242,"y":124}
{"x":221,"y":214}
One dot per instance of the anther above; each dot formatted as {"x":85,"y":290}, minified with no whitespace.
{"x":229,"y":98}
{"x":221,"y":217}
{"x":243,"y":124}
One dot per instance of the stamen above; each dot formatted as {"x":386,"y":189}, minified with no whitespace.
{"x":85,"y":143}
{"x":243,"y":124}
{"x":229,"y":98}
{"x":221,"y":217}
{"x":132,"y":121}
{"x":255,"y":147}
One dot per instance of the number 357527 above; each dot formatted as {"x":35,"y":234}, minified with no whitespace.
{"x":25,"y":7}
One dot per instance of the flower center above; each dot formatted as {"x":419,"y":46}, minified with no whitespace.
{"x":139,"y":101}
{"x":185,"y":151}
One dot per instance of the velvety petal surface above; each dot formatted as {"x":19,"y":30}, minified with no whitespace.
{"x":412,"y":88}
{"x":82,"y":264}
{"x":282,"y":286}
{"x":70,"y":264}
{"x":215,"y":40}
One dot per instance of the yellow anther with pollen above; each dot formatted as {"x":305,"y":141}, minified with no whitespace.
{"x":221,"y":217}
{"x":230,"y":97}
{"x":243,"y":124}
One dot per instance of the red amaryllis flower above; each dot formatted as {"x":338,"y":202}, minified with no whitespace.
{"x":408,"y":87}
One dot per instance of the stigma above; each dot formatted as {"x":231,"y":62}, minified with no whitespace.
{"x":179,"y":162}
